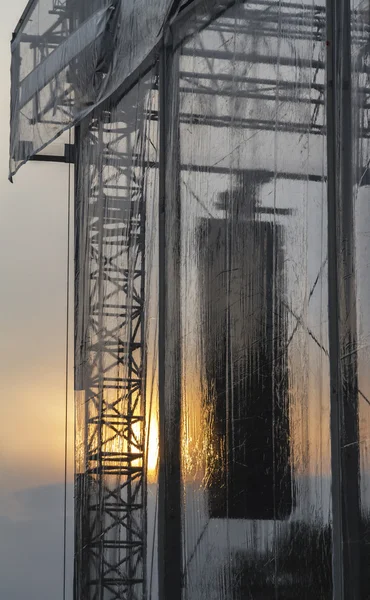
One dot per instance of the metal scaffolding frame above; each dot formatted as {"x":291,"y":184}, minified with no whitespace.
{"x":123,"y":510}
{"x":296,"y":16}
{"x":111,"y":517}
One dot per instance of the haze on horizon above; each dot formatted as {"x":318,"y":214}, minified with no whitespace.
{"x":33,"y":230}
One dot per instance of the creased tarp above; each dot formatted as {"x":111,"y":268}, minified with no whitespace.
{"x":89,"y":32}
{"x":66,"y":61}
{"x":246,"y":247}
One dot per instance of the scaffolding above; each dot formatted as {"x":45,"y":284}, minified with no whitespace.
{"x":113,"y":151}
{"x":110,"y":367}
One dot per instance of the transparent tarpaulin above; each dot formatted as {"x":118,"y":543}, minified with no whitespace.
{"x":68,"y":56}
{"x":272,"y":472}
{"x":222,"y":290}
{"x":255,"y":449}
{"x":353,"y":278}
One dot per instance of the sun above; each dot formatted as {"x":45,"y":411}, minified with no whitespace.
{"x":153,"y":448}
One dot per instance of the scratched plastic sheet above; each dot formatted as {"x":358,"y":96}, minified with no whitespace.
{"x":255,"y":438}
{"x":115,"y":345}
{"x":356,"y":332}
{"x":70,"y":55}
{"x":242,"y":342}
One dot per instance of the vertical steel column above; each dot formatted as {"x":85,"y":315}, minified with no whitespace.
{"x":169,"y":516}
{"x":342,"y":306}
{"x":349,"y":362}
{"x":77,"y":350}
{"x":333,"y":309}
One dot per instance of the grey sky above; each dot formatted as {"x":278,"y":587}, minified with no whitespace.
{"x":32,"y":376}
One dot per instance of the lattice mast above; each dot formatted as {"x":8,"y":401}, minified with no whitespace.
{"x":110,"y":499}
{"x":111,"y":490}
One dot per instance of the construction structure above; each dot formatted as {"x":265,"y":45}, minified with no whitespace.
{"x":222,"y":287}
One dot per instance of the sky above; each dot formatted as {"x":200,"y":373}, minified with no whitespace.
{"x":33,"y":264}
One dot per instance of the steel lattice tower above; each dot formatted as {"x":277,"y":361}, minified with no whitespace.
{"x":110,"y":505}
{"x":111,"y":490}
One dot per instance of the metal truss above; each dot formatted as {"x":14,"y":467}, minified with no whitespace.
{"x":57,"y":99}
{"x":110,"y":507}
{"x":261,"y":20}
{"x":110,"y":356}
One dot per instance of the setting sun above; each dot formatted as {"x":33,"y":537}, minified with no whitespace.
{"x":153,"y":445}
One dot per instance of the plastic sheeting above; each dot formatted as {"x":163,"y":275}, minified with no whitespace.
{"x":67,"y":57}
{"x":273,"y":457}
{"x":229,"y":272}
{"x":252,"y":502}
{"x":353,"y":154}
{"x":252,"y":276}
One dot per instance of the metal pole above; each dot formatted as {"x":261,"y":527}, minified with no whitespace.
{"x":161,"y":327}
{"x":77,"y":350}
{"x":348,"y":318}
{"x":169,"y":516}
{"x":333,"y":309}
{"x":342,"y":307}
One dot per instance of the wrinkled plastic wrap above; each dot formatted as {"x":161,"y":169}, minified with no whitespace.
{"x":354,"y":280}
{"x":222,"y":289}
{"x":69,"y":56}
{"x":255,"y":437}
